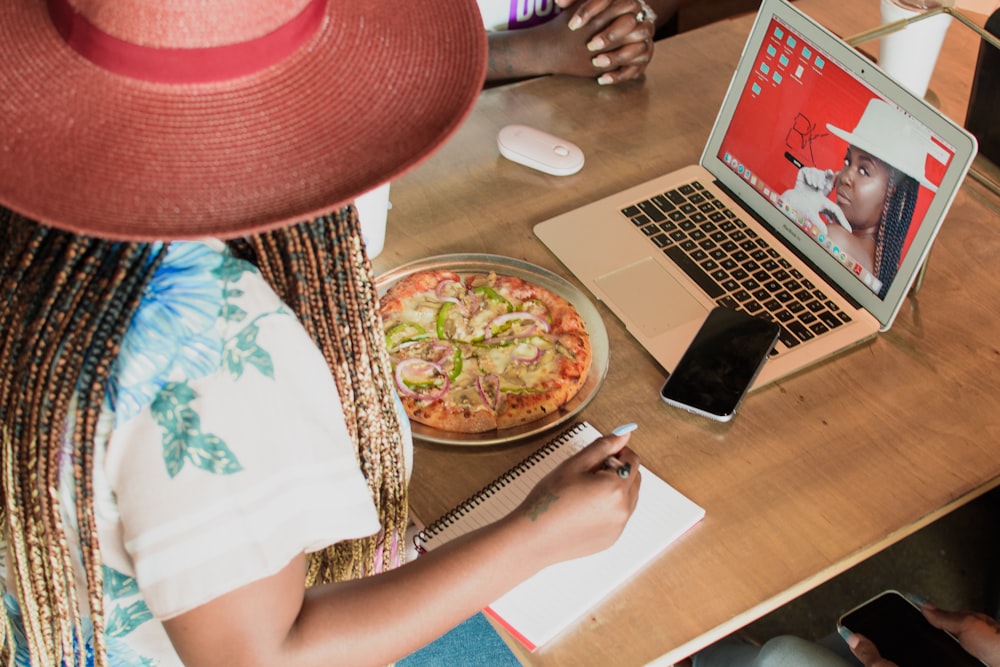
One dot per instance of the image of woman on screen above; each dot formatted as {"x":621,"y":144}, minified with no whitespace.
{"x":875,"y":192}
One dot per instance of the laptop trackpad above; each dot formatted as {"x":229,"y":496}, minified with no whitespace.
{"x":650,"y":298}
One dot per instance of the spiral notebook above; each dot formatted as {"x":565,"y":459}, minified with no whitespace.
{"x":541,"y":607}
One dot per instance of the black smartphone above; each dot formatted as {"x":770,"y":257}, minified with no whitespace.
{"x":903,"y":635}
{"x":720,"y":364}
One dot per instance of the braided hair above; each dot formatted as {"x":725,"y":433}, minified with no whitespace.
{"x":70,"y":301}
{"x":897,"y":213}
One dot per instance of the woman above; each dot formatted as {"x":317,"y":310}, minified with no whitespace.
{"x":203,"y":458}
{"x":876,"y":191}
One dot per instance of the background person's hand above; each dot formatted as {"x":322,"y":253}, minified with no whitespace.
{"x":866,"y":651}
{"x":620,"y":46}
{"x":977,"y":633}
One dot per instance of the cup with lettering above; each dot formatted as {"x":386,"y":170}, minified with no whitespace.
{"x":373,"y":210}
{"x":909,"y":55}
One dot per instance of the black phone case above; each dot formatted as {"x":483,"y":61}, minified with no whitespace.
{"x":903,"y":635}
{"x":721,"y":363}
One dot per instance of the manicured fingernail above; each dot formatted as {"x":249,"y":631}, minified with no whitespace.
{"x":625,"y":428}
{"x":605,"y":79}
{"x":918,"y":600}
{"x":601,"y":61}
{"x":575,"y":23}
{"x":848,"y":636}
{"x":595,"y":44}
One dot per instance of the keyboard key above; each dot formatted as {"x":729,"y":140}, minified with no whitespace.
{"x":788,"y":338}
{"x":830,"y":319}
{"x":800,"y":331}
{"x":663,"y":203}
{"x":651,"y":210}
{"x":694,"y":272}
{"x":818,"y":328}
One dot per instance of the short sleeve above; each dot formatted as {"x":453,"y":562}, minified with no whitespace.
{"x":237,"y":459}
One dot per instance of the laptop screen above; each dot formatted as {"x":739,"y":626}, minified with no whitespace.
{"x":852,"y":170}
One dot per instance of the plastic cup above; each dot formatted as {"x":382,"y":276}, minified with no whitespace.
{"x":373,"y":210}
{"x":909,"y":55}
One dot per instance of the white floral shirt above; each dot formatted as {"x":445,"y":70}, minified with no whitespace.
{"x":222,"y":452}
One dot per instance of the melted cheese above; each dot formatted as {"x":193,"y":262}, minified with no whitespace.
{"x":502,"y":351}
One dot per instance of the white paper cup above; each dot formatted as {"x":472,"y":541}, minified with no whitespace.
{"x":909,"y":55}
{"x":373,"y":210}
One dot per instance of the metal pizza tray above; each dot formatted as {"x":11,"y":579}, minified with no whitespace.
{"x":484,"y":263}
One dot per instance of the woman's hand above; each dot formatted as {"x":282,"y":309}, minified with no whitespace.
{"x":815,"y":207}
{"x":809,"y":198}
{"x":812,"y":178}
{"x":582,"y":506}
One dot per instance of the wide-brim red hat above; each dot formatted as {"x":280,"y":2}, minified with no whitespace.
{"x":167,"y":119}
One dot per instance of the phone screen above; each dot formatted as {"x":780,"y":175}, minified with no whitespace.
{"x":720,"y":364}
{"x":904,"y":636}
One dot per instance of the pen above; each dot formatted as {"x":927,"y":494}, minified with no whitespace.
{"x":613,"y":462}
{"x":623,"y":469}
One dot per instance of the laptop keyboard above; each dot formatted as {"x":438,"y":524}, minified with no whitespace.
{"x":732,"y":263}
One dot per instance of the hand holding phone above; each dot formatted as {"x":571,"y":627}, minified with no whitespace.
{"x":720,"y":364}
{"x":902,"y":634}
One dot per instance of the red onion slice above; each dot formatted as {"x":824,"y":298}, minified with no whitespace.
{"x":526,"y":352}
{"x":421,"y":370}
{"x":489,"y":390}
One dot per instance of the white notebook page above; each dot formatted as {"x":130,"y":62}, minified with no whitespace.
{"x":542,"y":606}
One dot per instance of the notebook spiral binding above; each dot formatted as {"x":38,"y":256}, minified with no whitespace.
{"x":455,"y":514}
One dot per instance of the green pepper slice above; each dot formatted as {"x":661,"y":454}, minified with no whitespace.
{"x":404,"y":332}
{"x":442,"y":319}
{"x":456,"y":364}
{"x":494,"y":296}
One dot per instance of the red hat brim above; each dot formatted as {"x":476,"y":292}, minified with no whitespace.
{"x":372,"y":94}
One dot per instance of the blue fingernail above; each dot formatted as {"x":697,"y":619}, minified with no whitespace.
{"x":918,"y":600}
{"x":625,"y":428}
{"x":844,"y":632}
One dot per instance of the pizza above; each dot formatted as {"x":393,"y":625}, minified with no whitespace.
{"x":479,"y":352}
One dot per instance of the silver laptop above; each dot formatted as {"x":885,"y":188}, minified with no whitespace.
{"x":815,"y":203}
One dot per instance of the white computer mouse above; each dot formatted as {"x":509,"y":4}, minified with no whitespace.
{"x":539,"y":150}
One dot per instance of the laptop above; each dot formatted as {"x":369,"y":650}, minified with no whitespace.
{"x":780,"y":217}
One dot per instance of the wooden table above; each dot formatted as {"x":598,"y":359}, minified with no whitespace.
{"x":820,"y":470}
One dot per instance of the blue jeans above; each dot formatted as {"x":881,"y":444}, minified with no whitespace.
{"x":472,"y":642}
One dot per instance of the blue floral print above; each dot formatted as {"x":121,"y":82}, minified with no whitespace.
{"x":119,"y":653}
{"x":173,"y":332}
